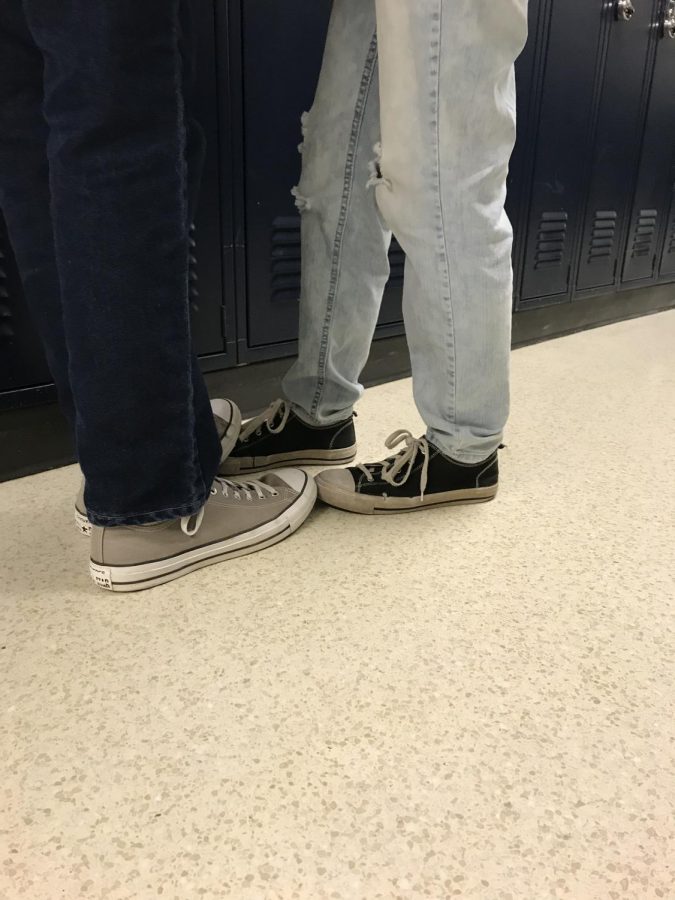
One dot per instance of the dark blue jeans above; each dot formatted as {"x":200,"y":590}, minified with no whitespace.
{"x":98,"y":170}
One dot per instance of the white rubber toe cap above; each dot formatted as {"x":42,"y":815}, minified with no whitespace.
{"x":339,"y":479}
{"x":296,"y":479}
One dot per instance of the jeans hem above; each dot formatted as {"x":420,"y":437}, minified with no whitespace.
{"x":326,"y":421}
{"x":467,"y":457}
{"x":149,"y":518}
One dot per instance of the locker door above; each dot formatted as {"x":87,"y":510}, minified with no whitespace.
{"x":667,"y":266}
{"x":287,"y":38}
{"x":518,"y":180}
{"x":617,"y":144}
{"x":206,"y":289}
{"x":22,"y":363}
{"x":653,"y":215}
{"x":565,"y":103}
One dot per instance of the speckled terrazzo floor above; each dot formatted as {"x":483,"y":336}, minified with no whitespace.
{"x":474,"y":702}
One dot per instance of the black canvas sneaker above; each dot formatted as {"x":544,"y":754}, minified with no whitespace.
{"x":277,"y":437}
{"x":419,"y":476}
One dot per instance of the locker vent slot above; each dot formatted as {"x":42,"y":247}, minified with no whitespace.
{"x":645,"y":233}
{"x":286,"y":260}
{"x":397,"y":263}
{"x":6,"y":325}
{"x":603,"y":236}
{"x":193,"y":271}
{"x":551,"y":239}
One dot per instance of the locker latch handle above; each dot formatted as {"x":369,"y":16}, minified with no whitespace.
{"x":669,"y":20}
{"x":625,"y":10}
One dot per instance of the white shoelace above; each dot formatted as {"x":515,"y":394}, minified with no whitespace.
{"x":227,"y":487}
{"x":397,"y":470}
{"x":267,"y":417}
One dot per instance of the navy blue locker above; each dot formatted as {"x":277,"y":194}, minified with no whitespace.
{"x":212,"y":300}
{"x":287,"y":38}
{"x":667,"y":263}
{"x":521,"y":162}
{"x":616,"y":141}
{"x":570,"y":37}
{"x":652,"y":225}
{"x":22,"y":362}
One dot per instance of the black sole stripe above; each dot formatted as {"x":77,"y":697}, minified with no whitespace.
{"x":430,"y":505}
{"x":296,"y":461}
{"x":275,"y":538}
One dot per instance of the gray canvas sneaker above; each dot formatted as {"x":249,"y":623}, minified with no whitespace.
{"x":227,"y":417}
{"x":239,"y":517}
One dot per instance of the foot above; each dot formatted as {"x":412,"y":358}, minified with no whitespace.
{"x":227,"y":417}
{"x":417,"y":477}
{"x":240,"y":517}
{"x":278,"y":437}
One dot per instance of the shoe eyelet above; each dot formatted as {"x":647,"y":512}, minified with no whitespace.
{"x":213,"y":492}
{"x":258,"y":433}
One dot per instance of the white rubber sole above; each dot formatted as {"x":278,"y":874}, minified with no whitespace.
{"x":246,"y":465}
{"x":227,"y":442}
{"x":369,"y":505}
{"x":147,"y":575}
{"x":82,"y":523}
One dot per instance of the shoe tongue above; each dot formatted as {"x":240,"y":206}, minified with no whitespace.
{"x":272,"y":479}
{"x":385,"y":462}
{"x":377,"y":467}
{"x":221,"y":426}
{"x":277,"y":417}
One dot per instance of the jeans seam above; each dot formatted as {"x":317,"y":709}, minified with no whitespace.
{"x":445,"y":253}
{"x":196,"y":468}
{"x":357,"y":123}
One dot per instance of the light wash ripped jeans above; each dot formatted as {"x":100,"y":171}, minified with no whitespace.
{"x":416,"y":142}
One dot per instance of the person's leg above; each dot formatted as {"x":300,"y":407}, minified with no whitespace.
{"x":146,"y":438}
{"x":24,"y":188}
{"x":447,"y":91}
{"x":344,"y":243}
{"x":117,"y":152}
{"x":25,"y":196}
{"x":345,"y":264}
